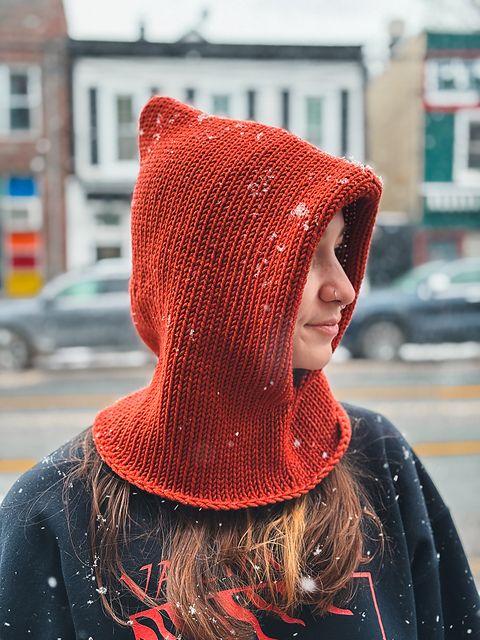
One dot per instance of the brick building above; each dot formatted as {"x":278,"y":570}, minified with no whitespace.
{"x":34,"y":143}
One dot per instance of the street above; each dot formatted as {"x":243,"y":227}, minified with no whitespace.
{"x":434,"y":404}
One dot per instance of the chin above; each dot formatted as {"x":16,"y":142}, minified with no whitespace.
{"x":314,"y":362}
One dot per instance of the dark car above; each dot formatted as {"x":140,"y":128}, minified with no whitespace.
{"x":86,"y":308}
{"x":436,"y":302}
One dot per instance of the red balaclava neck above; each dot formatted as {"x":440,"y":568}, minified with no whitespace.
{"x":226,"y":216}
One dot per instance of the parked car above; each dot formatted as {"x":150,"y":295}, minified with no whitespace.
{"x":436,"y":302}
{"x":85,"y":308}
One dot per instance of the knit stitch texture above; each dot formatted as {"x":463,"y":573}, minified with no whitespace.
{"x":226,"y":216}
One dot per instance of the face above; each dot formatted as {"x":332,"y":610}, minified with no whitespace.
{"x":326,"y":290}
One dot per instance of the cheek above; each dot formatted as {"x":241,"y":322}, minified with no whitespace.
{"x":308,"y":298}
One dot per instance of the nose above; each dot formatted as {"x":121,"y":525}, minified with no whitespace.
{"x":338,"y":288}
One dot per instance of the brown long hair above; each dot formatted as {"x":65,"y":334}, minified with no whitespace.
{"x":299,"y":552}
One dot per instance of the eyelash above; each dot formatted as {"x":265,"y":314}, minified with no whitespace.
{"x":337,"y":249}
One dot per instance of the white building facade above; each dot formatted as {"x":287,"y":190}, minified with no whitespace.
{"x":316,"y":92}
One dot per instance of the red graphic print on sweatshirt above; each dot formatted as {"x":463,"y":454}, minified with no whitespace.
{"x":150,"y":624}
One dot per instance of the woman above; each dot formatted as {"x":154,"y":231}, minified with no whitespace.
{"x":234,"y":495}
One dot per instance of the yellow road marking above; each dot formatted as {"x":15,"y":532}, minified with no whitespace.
{"x":16,"y":465}
{"x":423,"y":449}
{"x":96,"y":400}
{"x":434,"y":449}
{"x":474,"y":563}
{"x":32,"y":403}
{"x":442,"y":392}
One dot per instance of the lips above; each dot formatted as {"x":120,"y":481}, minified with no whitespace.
{"x":326,"y":323}
{"x":327,"y":329}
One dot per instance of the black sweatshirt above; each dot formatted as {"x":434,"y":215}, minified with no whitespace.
{"x":421,"y":588}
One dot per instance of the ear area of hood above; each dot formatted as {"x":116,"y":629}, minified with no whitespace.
{"x":159,"y":117}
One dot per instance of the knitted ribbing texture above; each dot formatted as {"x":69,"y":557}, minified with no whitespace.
{"x":226,"y":216}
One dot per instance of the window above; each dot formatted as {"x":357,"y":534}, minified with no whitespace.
{"x":93,"y":124}
{"x":474,"y":145}
{"x":20,"y":88}
{"x":108,"y":252}
{"x":285,"y":97}
{"x":88,"y":288}
{"x":190,"y":96}
{"x":221,"y":105}
{"x":344,"y":112}
{"x":251,"y":104}
{"x":20,"y":118}
{"x":108,"y":218}
{"x":126,"y":129}
{"x":467,"y":151}
{"x":457,"y":74}
{"x":114,"y":285}
{"x":314,"y":117}
{"x":466,"y":277}
{"x":81,"y":289}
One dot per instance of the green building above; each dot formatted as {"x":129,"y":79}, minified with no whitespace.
{"x":451,"y":144}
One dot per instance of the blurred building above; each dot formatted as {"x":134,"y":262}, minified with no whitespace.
{"x":424,"y":138}
{"x":34,"y":144}
{"x":316,"y":92}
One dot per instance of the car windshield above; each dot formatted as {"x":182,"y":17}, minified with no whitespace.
{"x":409,"y":281}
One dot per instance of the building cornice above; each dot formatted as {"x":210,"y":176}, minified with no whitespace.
{"x":180,"y":49}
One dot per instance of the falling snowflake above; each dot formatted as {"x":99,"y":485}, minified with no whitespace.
{"x":300,"y":211}
{"x":308,"y":583}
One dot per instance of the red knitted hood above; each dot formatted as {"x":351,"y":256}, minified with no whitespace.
{"x":226,"y":216}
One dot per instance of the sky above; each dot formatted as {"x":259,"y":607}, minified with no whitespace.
{"x":362,"y":22}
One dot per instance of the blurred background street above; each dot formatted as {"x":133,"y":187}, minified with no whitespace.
{"x":435,"y":404}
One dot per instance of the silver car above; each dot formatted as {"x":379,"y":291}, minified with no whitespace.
{"x":85,"y":308}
